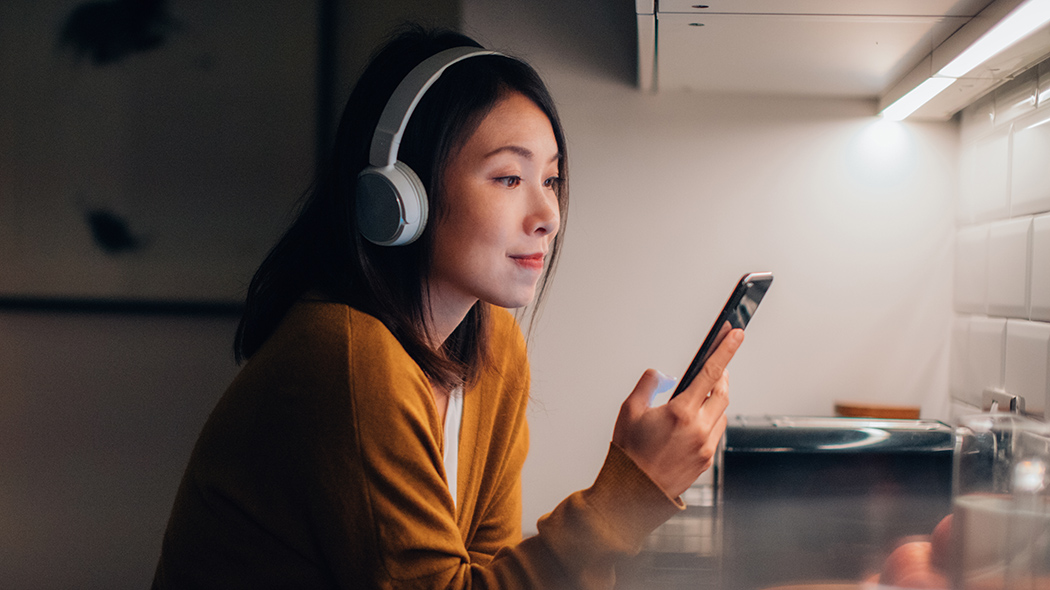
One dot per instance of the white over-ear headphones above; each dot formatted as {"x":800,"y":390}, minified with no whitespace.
{"x":391,"y":200}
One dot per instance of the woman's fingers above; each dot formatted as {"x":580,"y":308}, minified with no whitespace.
{"x":696,"y":395}
{"x":676,"y":442}
{"x":711,"y":412}
{"x":638,"y":400}
{"x":710,"y":447}
{"x":716,"y":402}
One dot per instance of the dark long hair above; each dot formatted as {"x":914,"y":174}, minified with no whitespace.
{"x":323,"y":252}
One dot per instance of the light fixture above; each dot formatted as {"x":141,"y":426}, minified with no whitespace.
{"x":917,"y":97}
{"x":1018,"y":24}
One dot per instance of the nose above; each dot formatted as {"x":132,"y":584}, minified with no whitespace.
{"x":544,"y":217}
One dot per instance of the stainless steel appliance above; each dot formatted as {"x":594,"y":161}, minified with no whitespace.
{"x":805,"y":499}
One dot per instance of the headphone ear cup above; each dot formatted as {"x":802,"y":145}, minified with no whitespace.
{"x":391,"y":205}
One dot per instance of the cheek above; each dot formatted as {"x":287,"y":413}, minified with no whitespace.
{"x":476,"y":242}
{"x":472,"y":230}
{"x":460,"y":240}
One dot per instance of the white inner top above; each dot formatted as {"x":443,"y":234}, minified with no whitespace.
{"x":453,"y":421}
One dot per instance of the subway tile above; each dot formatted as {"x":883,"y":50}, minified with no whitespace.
{"x":958,"y":410}
{"x":971,"y":261}
{"x":1029,"y":172}
{"x":1044,"y":84}
{"x":1016,"y":98}
{"x":1039,"y":291}
{"x":1028,"y":363}
{"x":985,"y":358}
{"x":984,"y":178}
{"x":966,"y":205}
{"x":1008,"y":268}
{"x":977,"y":119}
{"x":958,"y":357}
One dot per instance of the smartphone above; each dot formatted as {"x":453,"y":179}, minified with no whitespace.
{"x":737,"y":313}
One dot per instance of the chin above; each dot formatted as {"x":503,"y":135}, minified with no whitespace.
{"x":512,"y":301}
{"x":508,"y":304}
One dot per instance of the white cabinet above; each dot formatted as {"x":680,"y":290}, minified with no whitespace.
{"x":827,"y":7}
{"x":854,"y":48}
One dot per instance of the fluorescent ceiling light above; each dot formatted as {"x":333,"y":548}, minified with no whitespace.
{"x":915,"y":98}
{"x":1023,"y":21}
{"x":1016,"y":26}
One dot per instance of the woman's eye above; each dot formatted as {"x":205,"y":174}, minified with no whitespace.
{"x":552,"y":182}
{"x":509,"y":181}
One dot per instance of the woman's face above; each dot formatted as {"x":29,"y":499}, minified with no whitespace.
{"x":501,"y":211}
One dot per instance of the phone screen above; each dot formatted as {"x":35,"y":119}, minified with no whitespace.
{"x":749,"y":291}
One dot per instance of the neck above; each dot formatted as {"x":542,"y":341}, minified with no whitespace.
{"x":444,"y":319}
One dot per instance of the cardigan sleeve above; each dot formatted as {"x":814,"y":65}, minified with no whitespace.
{"x":500,"y":441}
{"x":499,"y":525}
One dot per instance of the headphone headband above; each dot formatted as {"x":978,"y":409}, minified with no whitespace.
{"x":391,"y":201}
{"x":392,"y":123}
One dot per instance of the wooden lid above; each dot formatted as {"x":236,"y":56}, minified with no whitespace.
{"x":820,"y":586}
{"x":866,"y":410}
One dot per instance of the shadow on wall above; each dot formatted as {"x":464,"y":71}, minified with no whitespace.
{"x":594,"y":36}
{"x":109,"y":31}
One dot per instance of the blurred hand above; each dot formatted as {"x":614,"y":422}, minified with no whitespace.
{"x":920,"y":563}
{"x":676,"y":442}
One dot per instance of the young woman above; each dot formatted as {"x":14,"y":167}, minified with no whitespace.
{"x":376,"y":434}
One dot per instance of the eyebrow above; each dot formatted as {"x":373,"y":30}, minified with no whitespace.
{"x":519,"y":150}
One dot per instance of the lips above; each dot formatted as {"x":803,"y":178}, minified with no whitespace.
{"x":530,"y":261}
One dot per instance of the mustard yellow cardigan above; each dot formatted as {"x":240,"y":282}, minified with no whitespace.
{"x":321,"y":467}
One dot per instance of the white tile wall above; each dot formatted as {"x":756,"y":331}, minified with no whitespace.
{"x":1030,"y":172}
{"x":984,"y":178}
{"x":1044,"y":84}
{"x":984,"y":368}
{"x":1027,"y":363}
{"x":958,"y":409}
{"x":971,"y":263}
{"x":1040,"y":288}
{"x":968,"y":170}
{"x":1001,"y":337}
{"x":958,"y":381}
{"x":1016,"y":99}
{"x":1008,"y":268}
{"x":978,"y":119}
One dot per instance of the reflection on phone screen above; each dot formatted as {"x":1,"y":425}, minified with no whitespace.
{"x":737,"y":313}
{"x":748,"y":304}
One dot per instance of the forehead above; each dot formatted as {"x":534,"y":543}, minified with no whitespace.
{"x":514,"y":120}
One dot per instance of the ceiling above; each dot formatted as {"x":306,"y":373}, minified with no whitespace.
{"x":839,"y":48}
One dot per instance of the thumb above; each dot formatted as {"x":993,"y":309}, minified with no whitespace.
{"x":664,"y":385}
{"x":640,"y":398}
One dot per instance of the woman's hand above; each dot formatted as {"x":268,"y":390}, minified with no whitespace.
{"x":676,"y":442}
